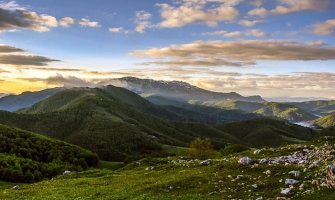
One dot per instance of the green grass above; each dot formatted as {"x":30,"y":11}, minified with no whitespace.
{"x":110,"y":165}
{"x":168,"y":178}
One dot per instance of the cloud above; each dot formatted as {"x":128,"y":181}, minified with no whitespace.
{"x":292,"y":6}
{"x":85,"y":22}
{"x":118,"y":30}
{"x":252,"y":33}
{"x":9,"y":49}
{"x":258,"y":12}
{"x":255,"y":33}
{"x":208,"y":62}
{"x":25,"y":60}
{"x":225,"y":33}
{"x":244,"y":51}
{"x":257,"y":3}
{"x":186,"y":12}
{"x":67,"y":21}
{"x":325,"y":28}
{"x":142,"y":21}
{"x":12,"y":16}
{"x":250,"y":23}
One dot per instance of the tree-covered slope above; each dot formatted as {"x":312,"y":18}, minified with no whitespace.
{"x":267,"y":132}
{"x":268,"y":109}
{"x":26,"y":99}
{"x":29,"y":157}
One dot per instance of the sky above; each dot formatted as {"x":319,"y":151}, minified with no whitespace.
{"x":273,"y":48}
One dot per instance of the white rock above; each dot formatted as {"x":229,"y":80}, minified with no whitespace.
{"x":16,"y":187}
{"x":66,"y":172}
{"x":291,"y":181}
{"x":286,"y":191}
{"x":263,"y":161}
{"x":206,"y":162}
{"x":245,"y":161}
{"x":267,"y":172}
{"x":257,"y":151}
{"x":254,"y":186}
{"x":295,"y":173}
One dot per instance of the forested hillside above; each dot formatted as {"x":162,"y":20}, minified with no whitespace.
{"x":29,"y":157}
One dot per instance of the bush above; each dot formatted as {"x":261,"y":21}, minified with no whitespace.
{"x":201,"y":148}
{"x":234,"y":148}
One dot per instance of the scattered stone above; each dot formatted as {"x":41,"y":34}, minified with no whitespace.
{"x":245,"y":161}
{"x":257,"y":151}
{"x":267,"y":172}
{"x":331,"y":176}
{"x":295,"y":173}
{"x":259,"y":198}
{"x":254,"y":186}
{"x":291,"y":181}
{"x":286,"y":191}
{"x":263,"y":161}
{"x":16,"y":187}
{"x":206,"y":162}
{"x":66,"y":172}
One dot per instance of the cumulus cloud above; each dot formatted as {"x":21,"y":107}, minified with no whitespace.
{"x":70,"y":81}
{"x":248,"y":51}
{"x":250,"y":23}
{"x":258,"y":12}
{"x":142,"y":21}
{"x":85,"y":22}
{"x":255,"y":33}
{"x":67,"y":21}
{"x":186,"y":12}
{"x":13,"y":16}
{"x":325,"y":28}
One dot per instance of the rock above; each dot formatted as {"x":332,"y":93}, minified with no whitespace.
{"x":267,"y":172}
{"x":66,"y":172}
{"x":259,"y":198}
{"x":291,"y":181}
{"x":263,"y":161}
{"x":330,"y":179}
{"x":257,"y":151}
{"x":295,"y":173}
{"x":206,"y":162}
{"x":245,"y":161}
{"x":239,"y":177}
{"x":254,"y":186}
{"x":286,"y":191}
{"x":16,"y":187}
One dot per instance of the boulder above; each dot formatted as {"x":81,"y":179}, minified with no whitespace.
{"x":16,"y":187}
{"x":245,"y":161}
{"x":286,"y":191}
{"x":291,"y":181}
{"x":66,"y":172}
{"x":206,"y":162}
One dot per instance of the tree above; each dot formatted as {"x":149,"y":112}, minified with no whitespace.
{"x":201,"y":148}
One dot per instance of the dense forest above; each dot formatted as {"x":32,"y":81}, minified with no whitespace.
{"x":29,"y":157}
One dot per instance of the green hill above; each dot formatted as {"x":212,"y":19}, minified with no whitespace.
{"x":29,"y":157}
{"x":117,"y":124}
{"x":267,"y":132}
{"x":325,"y":122}
{"x":268,"y":109}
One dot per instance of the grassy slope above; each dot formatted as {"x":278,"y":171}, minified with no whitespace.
{"x":166,"y":179}
{"x":327,"y":121}
{"x":317,"y":107}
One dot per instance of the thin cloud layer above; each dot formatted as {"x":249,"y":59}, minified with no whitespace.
{"x":248,"y":51}
{"x":325,"y":28}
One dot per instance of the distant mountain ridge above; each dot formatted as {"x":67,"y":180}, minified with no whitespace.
{"x":26,"y":99}
{"x":177,"y":90}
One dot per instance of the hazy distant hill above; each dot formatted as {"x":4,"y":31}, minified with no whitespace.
{"x":269,"y":109}
{"x":317,"y":107}
{"x":177,"y":90}
{"x":26,"y":99}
